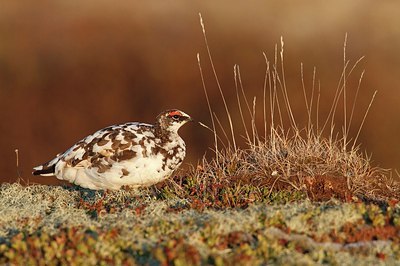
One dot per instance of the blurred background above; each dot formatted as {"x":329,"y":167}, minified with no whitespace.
{"x":69,"y":68}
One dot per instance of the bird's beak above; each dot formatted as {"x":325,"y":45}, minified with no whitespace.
{"x":189,"y":119}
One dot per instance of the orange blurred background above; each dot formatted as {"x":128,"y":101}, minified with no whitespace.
{"x":69,"y":68}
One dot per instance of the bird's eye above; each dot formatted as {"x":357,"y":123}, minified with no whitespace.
{"x":175,"y":117}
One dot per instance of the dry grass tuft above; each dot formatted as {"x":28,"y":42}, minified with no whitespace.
{"x":280,"y":156}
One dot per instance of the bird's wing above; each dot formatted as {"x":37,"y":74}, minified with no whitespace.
{"x":108,"y":145}
{"x":101,"y":149}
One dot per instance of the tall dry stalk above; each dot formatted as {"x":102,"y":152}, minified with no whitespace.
{"x":286,"y":152}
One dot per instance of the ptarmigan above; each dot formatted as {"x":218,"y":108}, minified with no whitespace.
{"x":134,"y":154}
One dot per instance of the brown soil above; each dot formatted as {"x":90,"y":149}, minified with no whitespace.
{"x":318,"y":188}
{"x":323,"y":188}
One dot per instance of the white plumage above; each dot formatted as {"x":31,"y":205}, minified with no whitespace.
{"x":135,"y":154}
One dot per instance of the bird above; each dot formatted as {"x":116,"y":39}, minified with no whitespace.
{"x":131,"y":154}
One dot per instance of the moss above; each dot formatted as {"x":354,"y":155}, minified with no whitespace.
{"x":52,"y":225}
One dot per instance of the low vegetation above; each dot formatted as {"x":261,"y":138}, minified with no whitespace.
{"x":51,"y":225}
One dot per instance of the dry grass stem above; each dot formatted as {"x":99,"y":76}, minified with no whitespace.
{"x":290,"y":155}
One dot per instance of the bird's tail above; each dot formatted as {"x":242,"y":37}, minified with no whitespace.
{"x":44,"y":170}
{"x":47,"y":169}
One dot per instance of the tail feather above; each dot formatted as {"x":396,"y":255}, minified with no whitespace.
{"x":44,"y":170}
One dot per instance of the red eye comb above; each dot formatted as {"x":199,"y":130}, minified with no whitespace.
{"x":175,"y":113}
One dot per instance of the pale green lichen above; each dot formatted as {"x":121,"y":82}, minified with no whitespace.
{"x":55,"y":224}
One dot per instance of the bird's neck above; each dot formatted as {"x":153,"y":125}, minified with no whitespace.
{"x":164,"y":133}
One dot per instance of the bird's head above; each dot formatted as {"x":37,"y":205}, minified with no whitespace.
{"x":172,"y":120}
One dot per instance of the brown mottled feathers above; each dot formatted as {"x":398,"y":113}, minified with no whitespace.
{"x":126,"y":154}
